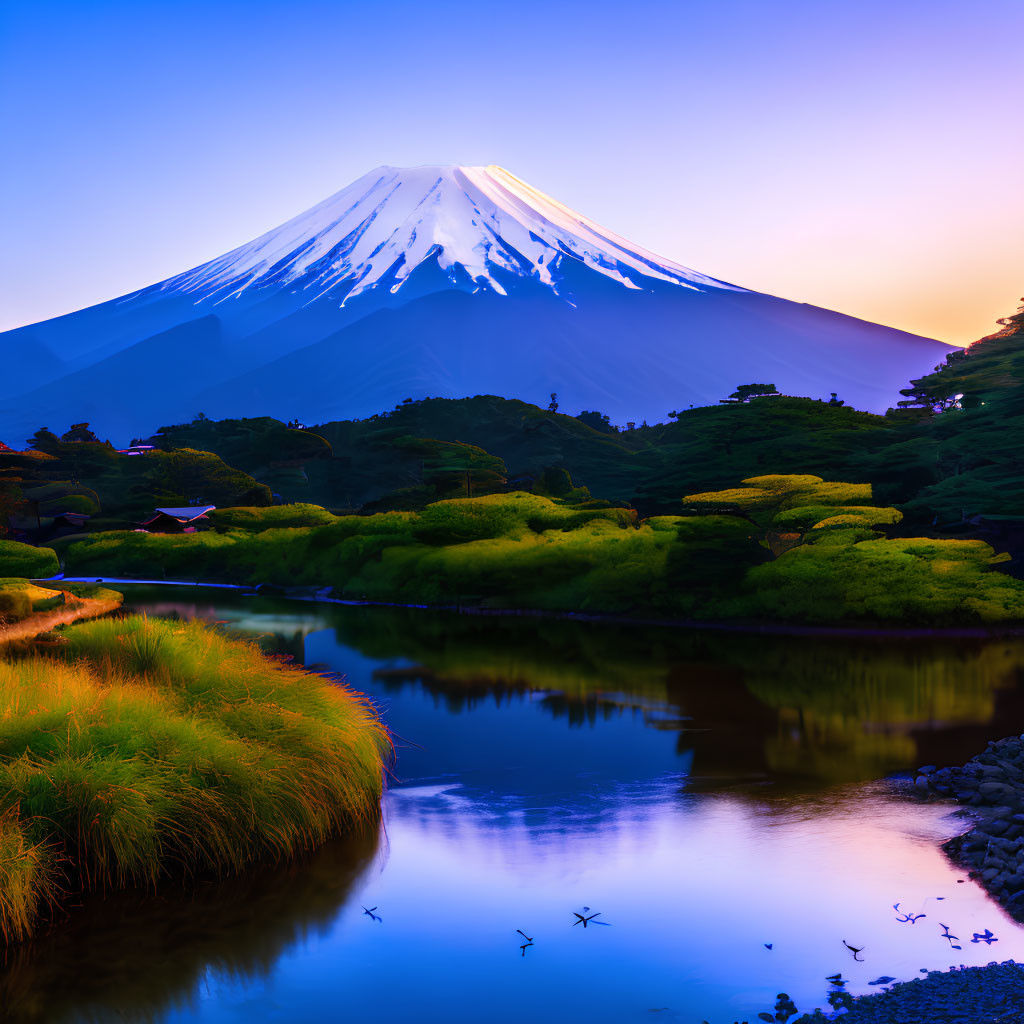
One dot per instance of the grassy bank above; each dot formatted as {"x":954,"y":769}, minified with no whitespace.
{"x":19,"y":599}
{"x":138,"y":749}
{"x":27,"y":610}
{"x":786,"y":548}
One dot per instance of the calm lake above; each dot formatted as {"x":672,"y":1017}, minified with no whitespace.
{"x":706,"y":794}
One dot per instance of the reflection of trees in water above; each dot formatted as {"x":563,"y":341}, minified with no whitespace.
{"x":827,"y":708}
{"x":579,"y":708}
{"x":861,"y":709}
{"x":834,"y":709}
{"x":128,"y":957}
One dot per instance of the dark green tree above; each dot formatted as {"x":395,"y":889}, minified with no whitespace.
{"x":745,"y":392}
{"x":598,"y":420}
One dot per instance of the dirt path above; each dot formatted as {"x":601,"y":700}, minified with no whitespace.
{"x":41,"y":622}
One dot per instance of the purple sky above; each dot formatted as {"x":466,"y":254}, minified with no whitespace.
{"x":866,"y":157}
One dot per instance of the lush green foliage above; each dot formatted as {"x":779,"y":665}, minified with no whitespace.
{"x":833,"y":566}
{"x":144,"y":748}
{"x":849,"y":574}
{"x":91,"y":477}
{"x":26,"y":562}
{"x":523,"y":550}
{"x":187,"y":476}
{"x":776,"y":498}
{"x":967,"y":461}
{"x":511,"y":549}
{"x":255,"y":519}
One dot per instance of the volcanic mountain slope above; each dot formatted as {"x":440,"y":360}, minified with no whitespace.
{"x":436,"y":281}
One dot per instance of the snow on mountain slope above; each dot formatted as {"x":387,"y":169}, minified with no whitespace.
{"x":437,"y":281}
{"x":471,"y":219}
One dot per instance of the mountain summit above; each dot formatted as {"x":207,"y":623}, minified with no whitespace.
{"x":477,"y":223}
{"x":436,"y":281}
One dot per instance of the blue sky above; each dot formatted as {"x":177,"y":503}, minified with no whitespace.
{"x":862,"y":156}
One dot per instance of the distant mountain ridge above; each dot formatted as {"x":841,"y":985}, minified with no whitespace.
{"x":436,"y":281}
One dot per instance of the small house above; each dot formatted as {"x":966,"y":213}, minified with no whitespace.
{"x":178,"y":520}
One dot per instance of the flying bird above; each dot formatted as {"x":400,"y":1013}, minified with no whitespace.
{"x":768,"y":945}
{"x":855,"y":950}
{"x":370,"y":913}
{"x":986,"y":936}
{"x":904,"y":917}
{"x":525,"y":946}
{"x":946,"y":935}
{"x":524,"y":935}
{"x":580,"y":919}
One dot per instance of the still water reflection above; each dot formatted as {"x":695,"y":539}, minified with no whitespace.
{"x":707,"y":794}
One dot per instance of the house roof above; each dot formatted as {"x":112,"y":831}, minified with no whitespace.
{"x":183,"y":515}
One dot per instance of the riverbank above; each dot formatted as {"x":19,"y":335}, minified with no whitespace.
{"x":993,"y":994}
{"x":76,"y":602}
{"x":137,"y":749}
{"x":992,"y":785}
{"x":326,"y":595}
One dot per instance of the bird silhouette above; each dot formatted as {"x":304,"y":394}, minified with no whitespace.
{"x":768,"y":945}
{"x":986,"y":936}
{"x":580,"y":919}
{"x":903,"y":917}
{"x":525,"y":946}
{"x":524,"y":935}
{"x":370,"y":913}
{"x":854,"y":950}
{"x":946,"y":935}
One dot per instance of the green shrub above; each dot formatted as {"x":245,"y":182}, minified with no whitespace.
{"x":809,"y":517}
{"x":256,"y":519}
{"x":71,"y":503}
{"x":761,"y":498}
{"x":25,"y":561}
{"x":853,"y":575}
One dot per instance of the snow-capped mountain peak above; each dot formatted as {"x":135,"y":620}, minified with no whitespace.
{"x":441,"y":282}
{"x":474,"y":221}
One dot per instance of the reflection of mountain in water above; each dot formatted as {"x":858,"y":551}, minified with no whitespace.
{"x":128,"y":957}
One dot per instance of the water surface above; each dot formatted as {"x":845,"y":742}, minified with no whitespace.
{"x":706,"y":794}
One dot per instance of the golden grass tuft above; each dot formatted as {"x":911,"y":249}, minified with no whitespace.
{"x":142,"y":748}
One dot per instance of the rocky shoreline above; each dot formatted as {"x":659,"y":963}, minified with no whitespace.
{"x":992,"y":785}
{"x":993,"y":994}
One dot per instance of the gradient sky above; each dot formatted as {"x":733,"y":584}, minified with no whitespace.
{"x":864,"y":156}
